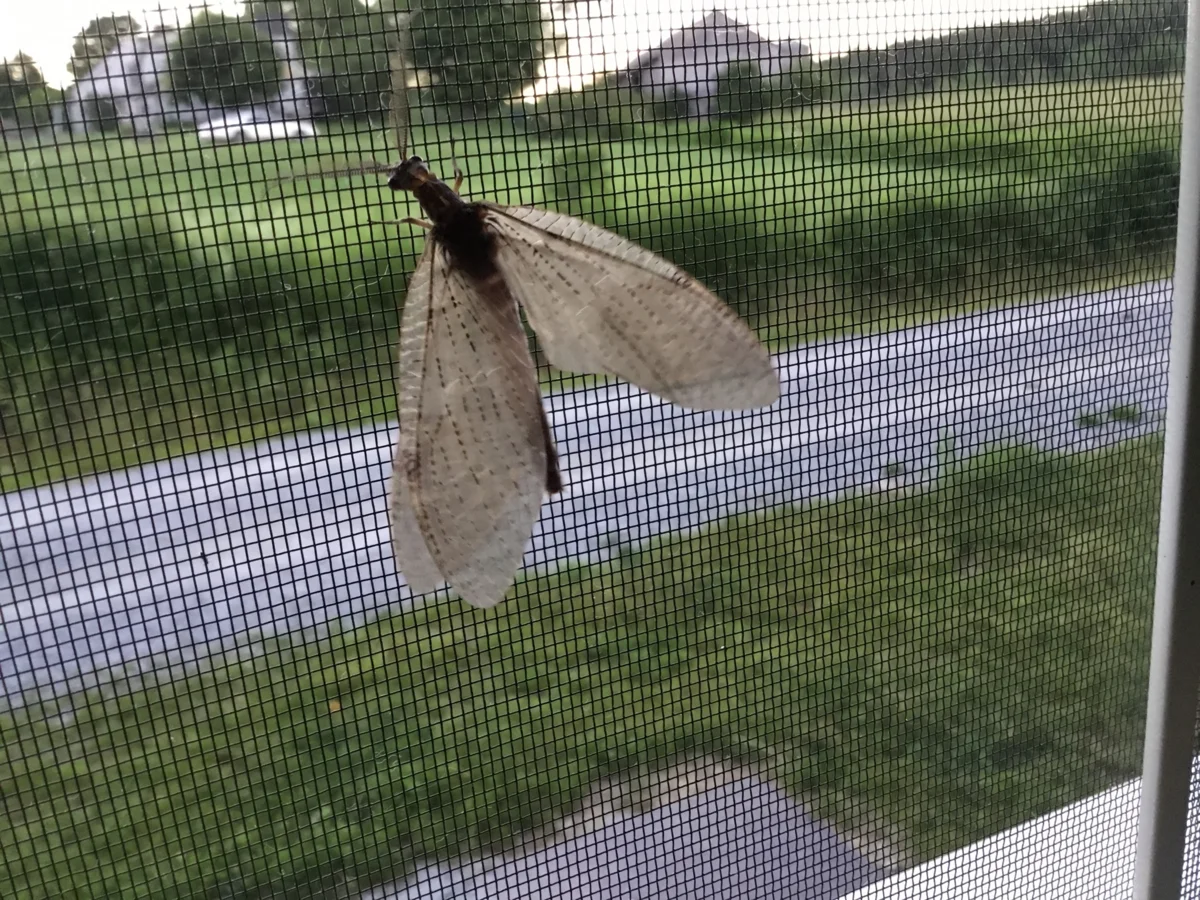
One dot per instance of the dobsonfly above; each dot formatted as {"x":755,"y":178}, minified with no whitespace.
{"x":475,"y":453}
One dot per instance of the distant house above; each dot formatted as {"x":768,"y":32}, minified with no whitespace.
{"x":129,"y":89}
{"x":688,"y":65}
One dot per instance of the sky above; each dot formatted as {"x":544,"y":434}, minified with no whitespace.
{"x":605,"y":33}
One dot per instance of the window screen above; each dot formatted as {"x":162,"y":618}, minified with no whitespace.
{"x":776,"y":652}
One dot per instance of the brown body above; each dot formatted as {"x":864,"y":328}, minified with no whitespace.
{"x":460,"y":230}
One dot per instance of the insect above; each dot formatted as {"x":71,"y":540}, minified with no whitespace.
{"x":475,"y":454}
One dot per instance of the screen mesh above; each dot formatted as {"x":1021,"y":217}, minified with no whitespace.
{"x":776,"y":652}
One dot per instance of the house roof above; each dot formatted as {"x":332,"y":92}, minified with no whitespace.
{"x":714,"y":38}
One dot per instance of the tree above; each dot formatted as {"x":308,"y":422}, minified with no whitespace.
{"x":347,"y":43}
{"x":26,"y":101}
{"x":1158,"y":54}
{"x":467,"y":55}
{"x":97,"y":40}
{"x":473,"y":54}
{"x":19,"y":79}
{"x":225,"y":61}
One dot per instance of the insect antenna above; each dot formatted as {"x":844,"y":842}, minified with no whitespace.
{"x":368,"y":167}
{"x":458,"y":172}
{"x":399,"y":117}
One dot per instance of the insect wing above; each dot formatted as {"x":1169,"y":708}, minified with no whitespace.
{"x":408,"y":542}
{"x":471,"y":457}
{"x":603,"y":305}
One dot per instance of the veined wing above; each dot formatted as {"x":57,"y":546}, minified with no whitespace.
{"x":471,"y":457}
{"x":603,"y":305}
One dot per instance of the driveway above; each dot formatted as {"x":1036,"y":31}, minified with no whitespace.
{"x":163,"y":564}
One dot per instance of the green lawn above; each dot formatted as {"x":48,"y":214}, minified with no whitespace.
{"x":162,"y":297}
{"x":940,"y":664}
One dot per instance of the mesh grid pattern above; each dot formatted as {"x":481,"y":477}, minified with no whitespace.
{"x":778,"y":653}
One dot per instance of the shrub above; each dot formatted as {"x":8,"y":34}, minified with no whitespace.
{"x":741,"y":92}
{"x":1138,"y":201}
{"x":675,"y":105}
{"x":806,"y":83}
{"x":599,"y":111}
{"x":36,"y":109}
{"x":88,"y":285}
{"x":918,"y":246}
{"x":19,"y":79}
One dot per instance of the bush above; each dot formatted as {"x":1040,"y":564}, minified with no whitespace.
{"x":224,"y":61}
{"x":1159,"y":54}
{"x":600,"y":111}
{"x":1138,"y":202}
{"x":103,"y":288}
{"x":35,"y":110}
{"x":806,"y":83}
{"x":675,"y":106}
{"x":741,"y":92}
{"x":852,"y":78}
{"x":919,"y":246}
{"x":156,"y":328}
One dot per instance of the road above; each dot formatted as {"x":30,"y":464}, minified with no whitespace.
{"x":162,"y":564}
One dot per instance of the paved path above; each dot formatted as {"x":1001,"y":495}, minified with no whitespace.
{"x":169,"y":560}
{"x":746,"y":840}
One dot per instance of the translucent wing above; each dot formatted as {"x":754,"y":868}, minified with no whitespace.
{"x":603,"y":305}
{"x":471,"y":457}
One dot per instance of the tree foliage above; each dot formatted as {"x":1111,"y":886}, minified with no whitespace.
{"x":20,"y":78}
{"x":345,"y":43}
{"x":1109,"y":39}
{"x":465,"y":55}
{"x":97,"y":40}
{"x":742,"y":92}
{"x":224,"y":61}
{"x":472,"y":54}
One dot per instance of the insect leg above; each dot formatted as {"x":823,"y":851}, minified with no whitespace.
{"x":458,"y":173}
{"x":407,"y":220}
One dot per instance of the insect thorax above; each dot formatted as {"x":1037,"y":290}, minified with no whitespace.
{"x":462,"y":232}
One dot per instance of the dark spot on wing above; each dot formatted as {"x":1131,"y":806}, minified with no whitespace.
{"x":554,"y":482}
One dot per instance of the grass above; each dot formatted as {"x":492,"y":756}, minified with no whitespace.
{"x":949,"y":662}
{"x":165,"y":297}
